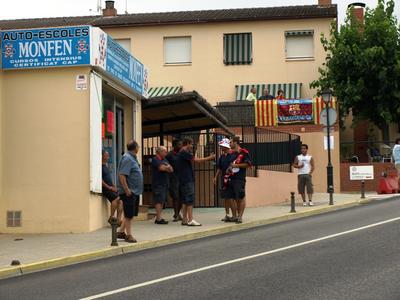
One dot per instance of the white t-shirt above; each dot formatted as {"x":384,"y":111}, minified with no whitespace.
{"x":304,"y":160}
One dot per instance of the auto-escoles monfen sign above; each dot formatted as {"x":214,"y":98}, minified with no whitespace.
{"x":44,"y":48}
{"x":361,"y":172}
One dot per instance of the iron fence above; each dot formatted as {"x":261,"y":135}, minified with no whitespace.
{"x":269,"y":150}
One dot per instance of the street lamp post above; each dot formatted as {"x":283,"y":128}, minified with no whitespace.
{"x":326,"y":97}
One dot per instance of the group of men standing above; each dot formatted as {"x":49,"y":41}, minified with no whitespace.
{"x":172,"y":173}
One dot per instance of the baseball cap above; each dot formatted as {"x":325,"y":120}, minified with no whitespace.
{"x":225,"y":143}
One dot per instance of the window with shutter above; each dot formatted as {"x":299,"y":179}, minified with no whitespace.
{"x":299,"y":44}
{"x":178,"y":50}
{"x":238,"y":49}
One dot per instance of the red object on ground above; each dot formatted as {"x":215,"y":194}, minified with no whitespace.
{"x":388,"y":185}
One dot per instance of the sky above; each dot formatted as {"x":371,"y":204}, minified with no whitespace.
{"x":23,"y":9}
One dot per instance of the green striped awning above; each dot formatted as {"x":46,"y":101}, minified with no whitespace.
{"x":238,"y":49}
{"x":299,"y":32}
{"x":164,"y":91}
{"x":292,"y":90}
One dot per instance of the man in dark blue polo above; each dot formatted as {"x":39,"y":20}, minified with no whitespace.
{"x":160,"y":170}
{"x":130,"y":186}
{"x":186,"y":180}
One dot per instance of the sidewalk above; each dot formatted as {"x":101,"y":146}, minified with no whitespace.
{"x":42,"y":251}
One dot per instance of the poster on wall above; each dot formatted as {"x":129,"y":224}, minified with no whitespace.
{"x":44,"y":48}
{"x":295,"y":111}
{"x":110,"y":121}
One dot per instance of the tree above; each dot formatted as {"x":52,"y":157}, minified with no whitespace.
{"x":362,"y":66}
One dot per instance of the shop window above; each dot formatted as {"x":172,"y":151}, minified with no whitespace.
{"x":238,"y":49}
{"x":178,"y":50}
{"x":125,"y":43}
{"x":299,"y":44}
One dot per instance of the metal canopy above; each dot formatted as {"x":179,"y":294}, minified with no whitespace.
{"x":184,"y":112}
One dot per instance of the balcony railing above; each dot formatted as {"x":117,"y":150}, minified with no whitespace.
{"x":266,"y":113}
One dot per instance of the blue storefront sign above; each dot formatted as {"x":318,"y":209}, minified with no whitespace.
{"x":122,"y":65}
{"x":72,"y":46}
{"x":44,"y":48}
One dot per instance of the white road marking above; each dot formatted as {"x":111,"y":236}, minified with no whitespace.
{"x":233,"y":261}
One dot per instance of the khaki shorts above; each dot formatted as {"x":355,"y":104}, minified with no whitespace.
{"x":305,"y":180}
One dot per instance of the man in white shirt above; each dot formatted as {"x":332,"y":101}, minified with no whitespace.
{"x":252,"y":96}
{"x":396,"y":155}
{"x":305,"y":165}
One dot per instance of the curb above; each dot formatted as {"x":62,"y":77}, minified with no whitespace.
{"x":113,"y":251}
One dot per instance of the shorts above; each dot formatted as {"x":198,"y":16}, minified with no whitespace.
{"x":131,"y":205}
{"x":225,"y":194}
{"x":187,"y":193}
{"x":305,"y":180}
{"x":160,"y":193}
{"x":110,"y":195}
{"x":236,"y":189}
{"x":174,"y":187}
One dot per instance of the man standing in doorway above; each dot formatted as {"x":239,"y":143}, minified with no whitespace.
{"x":237,"y":176}
{"x":186,"y":180}
{"x":305,"y":165}
{"x":160,"y":169}
{"x":223,"y":164}
{"x":173,"y":179}
{"x":130,"y":186}
{"x":110,"y":191}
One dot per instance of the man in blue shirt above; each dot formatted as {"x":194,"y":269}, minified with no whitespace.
{"x":160,"y":170}
{"x":186,"y":180}
{"x":130,"y":186}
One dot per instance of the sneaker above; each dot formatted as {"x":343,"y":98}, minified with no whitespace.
{"x":130,"y":239}
{"x":239,"y":221}
{"x":193,"y":223}
{"x":310,"y":203}
{"x":304,"y":203}
{"x":184,"y":223}
{"x":161,"y":222}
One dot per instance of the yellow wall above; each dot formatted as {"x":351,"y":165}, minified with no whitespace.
{"x":207,"y":74}
{"x":1,"y":144}
{"x":45,"y":146}
{"x":46,"y":155}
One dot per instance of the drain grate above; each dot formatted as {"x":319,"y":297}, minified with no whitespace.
{"x":14,"y":218}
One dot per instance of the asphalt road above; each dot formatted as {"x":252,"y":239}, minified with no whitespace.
{"x":329,"y":256}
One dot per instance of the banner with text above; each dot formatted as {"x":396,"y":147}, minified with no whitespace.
{"x":72,"y":46}
{"x":295,"y":111}
{"x":44,"y":48}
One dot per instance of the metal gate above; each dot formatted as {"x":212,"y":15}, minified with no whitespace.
{"x":269,"y":149}
{"x":205,"y":143}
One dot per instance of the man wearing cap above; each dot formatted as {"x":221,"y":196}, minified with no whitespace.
{"x":223,"y":164}
{"x":237,"y":176}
